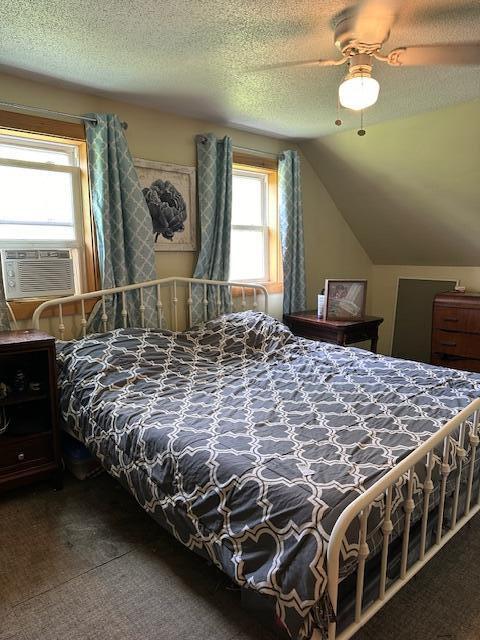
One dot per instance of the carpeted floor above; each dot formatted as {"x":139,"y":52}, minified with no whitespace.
{"x":86,"y":563}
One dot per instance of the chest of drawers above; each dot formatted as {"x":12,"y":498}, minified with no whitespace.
{"x":456,"y":331}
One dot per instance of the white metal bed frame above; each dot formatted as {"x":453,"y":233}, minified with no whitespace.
{"x":454,"y":438}
{"x":245,"y":289}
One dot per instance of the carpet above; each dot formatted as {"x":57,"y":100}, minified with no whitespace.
{"x":86,"y":563}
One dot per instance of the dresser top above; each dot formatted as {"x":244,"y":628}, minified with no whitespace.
{"x":467,"y":299}
{"x":24,"y":337}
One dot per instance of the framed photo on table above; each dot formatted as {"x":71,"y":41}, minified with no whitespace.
{"x":345,"y":299}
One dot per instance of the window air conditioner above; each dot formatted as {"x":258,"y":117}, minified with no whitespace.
{"x":37,"y":273}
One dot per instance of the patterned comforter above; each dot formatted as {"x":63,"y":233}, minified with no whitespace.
{"x":246,"y":442}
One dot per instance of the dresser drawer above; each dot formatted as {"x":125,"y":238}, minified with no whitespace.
{"x":456,"y":362}
{"x":24,"y":452}
{"x":456,"y":319}
{"x":454,"y":343}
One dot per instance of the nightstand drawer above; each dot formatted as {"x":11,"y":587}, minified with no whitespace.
{"x":456,"y":319}
{"x":459,"y":344}
{"x":24,"y":452}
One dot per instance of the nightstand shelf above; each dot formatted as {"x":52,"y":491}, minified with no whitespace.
{"x":22,"y":398}
{"x":29,"y":449}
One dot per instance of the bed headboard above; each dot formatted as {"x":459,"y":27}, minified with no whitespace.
{"x":173,"y":298}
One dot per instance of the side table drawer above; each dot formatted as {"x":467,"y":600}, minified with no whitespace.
{"x":24,"y":452}
{"x":360,"y":335}
{"x":306,"y":331}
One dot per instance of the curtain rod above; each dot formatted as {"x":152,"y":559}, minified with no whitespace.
{"x":23,"y":107}
{"x":203,"y":138}
{"x":258,"y":152}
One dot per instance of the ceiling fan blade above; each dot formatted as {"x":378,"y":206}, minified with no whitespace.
{"x":456,"y":54}
{"x":446,"y":10}
{"x":301,"y":63}
{"x":374,"y":19}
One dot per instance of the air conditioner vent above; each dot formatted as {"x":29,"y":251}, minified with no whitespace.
{"x":39,"y":273}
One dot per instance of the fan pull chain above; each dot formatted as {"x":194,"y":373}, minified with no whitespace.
{"x":338,"y":121}
{"x":361,"y":131}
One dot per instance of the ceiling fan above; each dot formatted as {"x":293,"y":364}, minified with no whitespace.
{"x":360,"y":34}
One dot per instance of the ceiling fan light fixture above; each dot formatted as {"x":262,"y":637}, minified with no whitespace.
{"x":358,"y":91}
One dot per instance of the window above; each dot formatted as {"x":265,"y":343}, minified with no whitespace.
{"x":254,"y":252}
{"x":44,"y":196}
{"x":249,"y":241}
{"x":40,"y":193}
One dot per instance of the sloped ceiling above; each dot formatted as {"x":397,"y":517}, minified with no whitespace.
{"x":410,"y":188}
{"x":195,"y":57}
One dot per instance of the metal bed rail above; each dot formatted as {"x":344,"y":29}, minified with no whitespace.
{"x":246,"y":291}
{"x":454,"y":440}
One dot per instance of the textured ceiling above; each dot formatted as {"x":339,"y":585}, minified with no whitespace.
{"x":194,"y":56}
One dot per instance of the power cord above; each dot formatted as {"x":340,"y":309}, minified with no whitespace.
{"x":14,"y":320}
{"x":4,"y":421}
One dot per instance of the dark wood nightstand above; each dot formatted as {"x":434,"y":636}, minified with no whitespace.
{"x":308,"y":325}
{"x":29,"y":448}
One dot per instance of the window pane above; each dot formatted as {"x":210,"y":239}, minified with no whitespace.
{"x":247,"y":200}
{"x":247,"y":255}
{"x":30,"y":197}
{"x":19,"y":151}
{"x":35,"y":232}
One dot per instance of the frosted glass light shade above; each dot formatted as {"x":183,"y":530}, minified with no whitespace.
{"x":358,"y":92}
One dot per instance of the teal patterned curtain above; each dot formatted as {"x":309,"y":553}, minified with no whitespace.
{"x":122,"y":220}
{"x":214,"y":169}
{"x":4,"y":319}
{"x":291,"y":232}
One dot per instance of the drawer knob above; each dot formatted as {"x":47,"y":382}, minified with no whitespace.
{"x":448,"y":344}
{"x":21,"y":457}
{"x":451,"y":319}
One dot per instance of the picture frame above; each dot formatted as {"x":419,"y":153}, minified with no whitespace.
{"x":345,"y":299}
{"x":170,"y":192}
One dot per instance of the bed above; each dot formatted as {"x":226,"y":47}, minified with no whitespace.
{"x":318,"y":478}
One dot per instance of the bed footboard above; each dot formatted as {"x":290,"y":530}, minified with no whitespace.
{"x":447,"y":449}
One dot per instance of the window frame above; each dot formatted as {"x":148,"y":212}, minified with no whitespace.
{"x":34,"y":128}
{"x":74,"y":172}
{"x":264,"y":227}
{"x":269,"y":168}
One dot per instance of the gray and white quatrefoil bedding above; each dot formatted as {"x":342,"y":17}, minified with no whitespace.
{"x":246,"y":442}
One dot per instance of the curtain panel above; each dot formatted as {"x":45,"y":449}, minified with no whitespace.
{"x":214,"y":169}
{"x":122,"y":221}
{"x":291,"y":232}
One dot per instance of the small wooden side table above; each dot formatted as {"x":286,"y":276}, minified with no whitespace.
{"x":308,"y":325}
{"x":30,"y":446}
